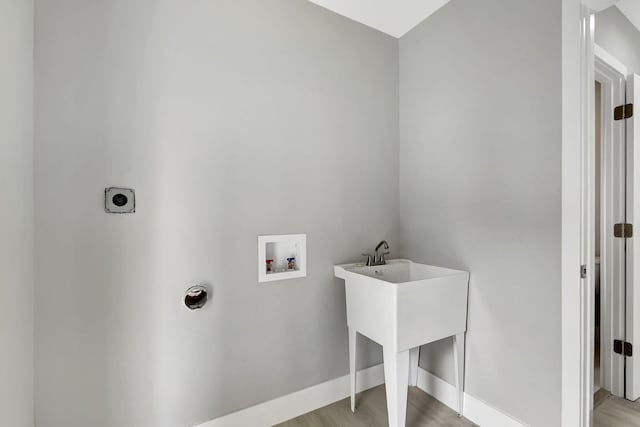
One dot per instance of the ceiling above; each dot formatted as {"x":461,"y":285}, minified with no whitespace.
{"x":394,"y":17}
{"x":631,"y":9}
{"x":397,"y":17}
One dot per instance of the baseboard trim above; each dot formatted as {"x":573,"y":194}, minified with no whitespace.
{"x":475,"y":410}
{"x":295,"y":404}
{"x":301,"y":402}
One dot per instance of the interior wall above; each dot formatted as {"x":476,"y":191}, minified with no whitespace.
{"x":480,"y":189}
{"x":618,"y":36}
{"x":230,"y":119}
{"x":16,"y":214}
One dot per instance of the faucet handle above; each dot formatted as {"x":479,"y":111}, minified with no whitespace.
{"x":382,"y":260}
{"x":368,"y":263}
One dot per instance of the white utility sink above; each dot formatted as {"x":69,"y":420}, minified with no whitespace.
{"x":403,"y":305}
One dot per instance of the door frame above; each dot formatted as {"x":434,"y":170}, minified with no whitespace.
{"x":578,"y":69}
{"x":577,"y":362}
{"x":611,"y":74}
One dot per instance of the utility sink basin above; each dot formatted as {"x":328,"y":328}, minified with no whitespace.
{"x":403,"y":305}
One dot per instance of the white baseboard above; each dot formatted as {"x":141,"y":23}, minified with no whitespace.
{"x":475,"y":410}
{"x":301,"y":402}
{"x":295,"y":404}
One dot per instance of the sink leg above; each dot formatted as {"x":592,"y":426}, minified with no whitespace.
{"x":352,"y":366}
{"x":396,"y":376}
{"x":414,"y":358}
{"x":458,"y":360}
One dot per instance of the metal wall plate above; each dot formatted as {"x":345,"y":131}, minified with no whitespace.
{"x":196,"y":297}
{"x":119,"y":200}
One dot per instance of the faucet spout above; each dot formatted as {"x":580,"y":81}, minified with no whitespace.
{"x":378,"y":259}
{"x":383,"y":243}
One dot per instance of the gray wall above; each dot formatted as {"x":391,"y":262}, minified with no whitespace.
{"x":16,"y":213}
{"x":230,"y":118}
{"x":618,"y":36}
{"x":480,"y":141}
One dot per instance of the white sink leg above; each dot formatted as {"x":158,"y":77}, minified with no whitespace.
{"x":458,"y":360}
{"x":414,"y":358}
{"x":352,"y":366}
{"x":396,"y":377}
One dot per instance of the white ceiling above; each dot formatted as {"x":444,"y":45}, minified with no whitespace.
{"x":394,"y":17}
{"x":598,"y":5}
{"x":397,"y":17}
{"x":631,"y":9}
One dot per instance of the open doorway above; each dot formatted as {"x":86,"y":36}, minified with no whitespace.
{"x":616,"y":292}
{"x":609,"y":208}
{"x":619,"y":273}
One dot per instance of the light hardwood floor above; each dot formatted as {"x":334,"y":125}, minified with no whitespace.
{"x":371,"y":411}
{"x":613,"y":411}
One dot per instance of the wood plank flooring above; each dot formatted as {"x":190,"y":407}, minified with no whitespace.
{"x":371,"y":411}
{"x":425,"y":411}
{"x":616,"y":412}
{"x":600,"y":396}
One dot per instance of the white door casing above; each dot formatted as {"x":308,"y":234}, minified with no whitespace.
{"x":612,"y":208}
{"x":577,"y":105}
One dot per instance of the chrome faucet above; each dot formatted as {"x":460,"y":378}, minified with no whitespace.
{"x":378,"y":258}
